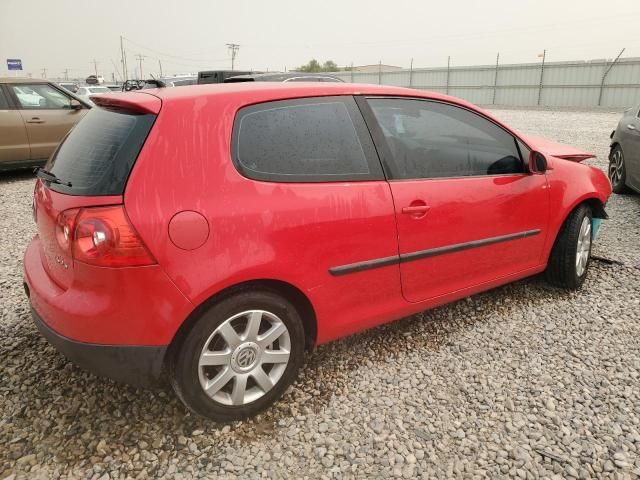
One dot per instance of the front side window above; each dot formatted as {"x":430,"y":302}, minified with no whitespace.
{"x":40,"y":96}
{"x":434,"y":140}
{"x":304,"y":140}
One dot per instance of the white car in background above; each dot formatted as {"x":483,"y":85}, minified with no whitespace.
{"x":85,"y":93}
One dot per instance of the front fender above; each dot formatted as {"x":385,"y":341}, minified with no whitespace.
{"x":571,"y":184}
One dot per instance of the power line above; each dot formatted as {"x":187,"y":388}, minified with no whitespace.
{"x":164,"y":54}
{"x":233,"y":48}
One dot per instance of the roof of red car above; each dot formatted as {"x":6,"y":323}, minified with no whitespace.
{"x":251,"y":92}
{"x":247,"y":93}
{"x":279,"y":89}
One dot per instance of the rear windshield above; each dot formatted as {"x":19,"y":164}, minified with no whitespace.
{"x":99,"y":153}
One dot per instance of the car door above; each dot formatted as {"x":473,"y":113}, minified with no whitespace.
{"x":14,"y":144}
{"x":47,"y":114}
{"x":467,"y":210}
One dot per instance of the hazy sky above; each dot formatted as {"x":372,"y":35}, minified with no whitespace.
{"x":190,"y":35}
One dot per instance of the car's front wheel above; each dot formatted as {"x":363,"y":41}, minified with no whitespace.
{"x":617,"y":171}
{"x":571,"y":253}
{"x":239,"y":356}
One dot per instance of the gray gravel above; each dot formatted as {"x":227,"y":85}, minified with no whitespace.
{"x":524,"y":381}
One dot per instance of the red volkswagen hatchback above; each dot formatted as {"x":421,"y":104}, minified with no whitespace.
{"x":210,"y":234}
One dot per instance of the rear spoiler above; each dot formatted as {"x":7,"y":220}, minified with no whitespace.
{"x":136,"y":102}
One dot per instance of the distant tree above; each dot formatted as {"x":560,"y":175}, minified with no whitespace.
{"x":314,"y":66}
{"x":329,"y":66}
{"x":311,"y":67}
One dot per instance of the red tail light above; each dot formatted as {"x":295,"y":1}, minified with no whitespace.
{"x":102,"y":236}
{"x":64,"y":228}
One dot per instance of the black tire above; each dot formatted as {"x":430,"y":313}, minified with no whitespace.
{"x":561,"y":269}
{"x":183,"y":366}
{"x":617,"y":176}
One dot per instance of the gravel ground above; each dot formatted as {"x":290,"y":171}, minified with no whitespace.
{"x":523,"y":381}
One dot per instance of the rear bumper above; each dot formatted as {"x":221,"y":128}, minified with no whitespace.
{"x":107,"y":306}
{"x":132,"y":364}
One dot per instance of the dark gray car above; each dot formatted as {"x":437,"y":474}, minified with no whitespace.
{"x":624,"y":159}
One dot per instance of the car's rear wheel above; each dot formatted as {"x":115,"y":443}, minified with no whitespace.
{"x":617,"y":171}
{"x":239,"y":356}
{"x":571,"y":254}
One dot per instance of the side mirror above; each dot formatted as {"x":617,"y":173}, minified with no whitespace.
{"x":75,"y":104}
{"x":537,"y":163}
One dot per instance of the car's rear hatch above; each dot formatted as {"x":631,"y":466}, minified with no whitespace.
{"x":93,"y":164}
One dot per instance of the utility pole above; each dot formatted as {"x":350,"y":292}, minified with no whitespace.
{"x":140,"y":58}
{"x":607,"y":73}
{"x":160,"y":65}
{"x":411,"y":74}
{"x":544,"y":57}
{"x":123,"y":59}
{"x":115,"y":68}
{"x":379,"y":72}
{"x":95,"y":66}
{"x":233,"y":48}
{"x":351,"y":72}
{"x":66,"y":74}
{"x":448,"y":73}
{"x":495,"y":79}
{"x":44,"y":73}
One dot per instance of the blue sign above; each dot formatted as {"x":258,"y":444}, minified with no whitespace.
{"x":14,"y":64}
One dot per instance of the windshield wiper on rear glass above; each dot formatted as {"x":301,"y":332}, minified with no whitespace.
{"x":47,"y":176}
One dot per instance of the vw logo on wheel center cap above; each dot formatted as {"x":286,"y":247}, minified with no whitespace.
{"x":244,"y":356}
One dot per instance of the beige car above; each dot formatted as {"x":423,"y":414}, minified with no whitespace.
{"x":34,"y":116}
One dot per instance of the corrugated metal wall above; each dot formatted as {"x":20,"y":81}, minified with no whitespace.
{"x":561,"y":84}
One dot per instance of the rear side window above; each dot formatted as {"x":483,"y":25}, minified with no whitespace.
{"x":304,"y":140}
{"x":98,"y":154}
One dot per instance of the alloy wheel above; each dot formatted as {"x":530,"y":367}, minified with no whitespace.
{"x":584,"y":246}
{"x":244,"y":357}
{"x":616,"y":167}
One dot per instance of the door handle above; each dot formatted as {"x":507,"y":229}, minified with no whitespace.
{"x":412,"y":210}
{"x":631,"y":127}
{"x":35,"y":120}
{"x":416,"y":211}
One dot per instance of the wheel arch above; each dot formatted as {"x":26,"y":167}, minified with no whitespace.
{"x":612,"y":146}
{"x":288,"y":291}
{"x":596,"y":206}
{"x":597,"y":210}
